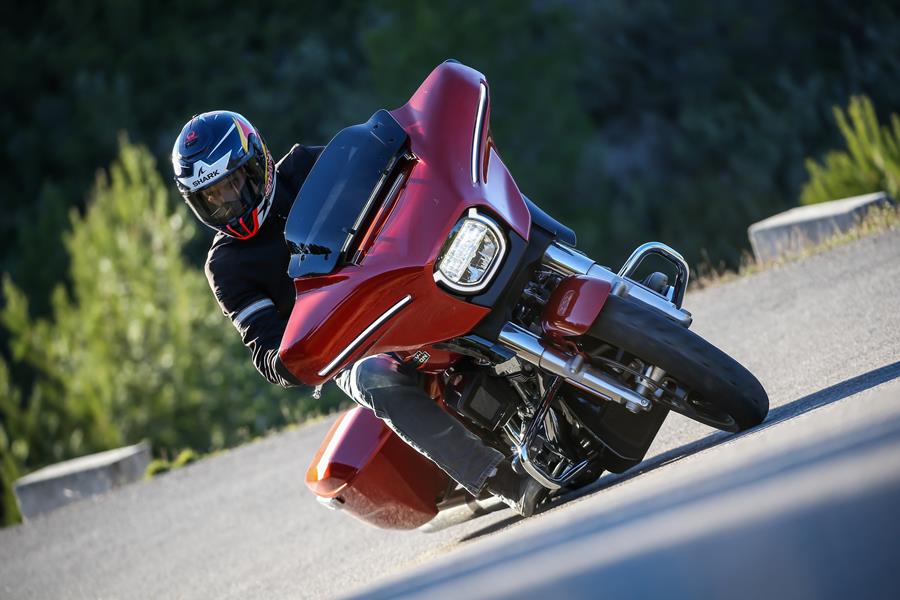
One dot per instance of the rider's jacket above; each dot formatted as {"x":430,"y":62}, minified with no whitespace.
{"x":249,"y":277}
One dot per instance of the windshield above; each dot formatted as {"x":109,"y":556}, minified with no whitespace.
{"x":340,"y":190}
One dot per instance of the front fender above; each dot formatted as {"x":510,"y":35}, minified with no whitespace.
{"x":574,"y":306}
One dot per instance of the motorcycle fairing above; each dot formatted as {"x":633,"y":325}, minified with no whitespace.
{"x":352,"y":312}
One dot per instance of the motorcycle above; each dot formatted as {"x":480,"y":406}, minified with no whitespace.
{"x":423,"y":246}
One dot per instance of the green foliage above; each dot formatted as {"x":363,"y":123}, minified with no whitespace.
{"x":9,"y":466}
{"x":681,"y":121}
{"x":158,"y":466}
{"x":538,"y":121}
{"x":702,"y":115}
{"x":184,"y":458}
{"x":74,"y":76}
{"x":871,"y":162}
{"x":137,"y":347}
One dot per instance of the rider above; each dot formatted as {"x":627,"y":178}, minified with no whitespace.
{"x":227,"y":176}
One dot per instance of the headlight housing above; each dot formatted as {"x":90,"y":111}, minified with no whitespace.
{"x":471,"y":255}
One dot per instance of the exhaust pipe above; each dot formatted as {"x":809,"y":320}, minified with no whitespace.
{"x":573,"y":369}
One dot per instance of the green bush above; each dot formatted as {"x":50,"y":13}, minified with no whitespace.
{"x":185,"y":457}
{"x":871,"y":162}
{"x":157,"y":466}
{"x":9,"y":467}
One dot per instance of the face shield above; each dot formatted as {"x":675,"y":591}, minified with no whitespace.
{"x":229,"y":197}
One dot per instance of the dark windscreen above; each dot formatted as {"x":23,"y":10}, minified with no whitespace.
{"x":339,"y":191}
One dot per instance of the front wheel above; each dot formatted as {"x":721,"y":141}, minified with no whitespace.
{"x":701,"y":382}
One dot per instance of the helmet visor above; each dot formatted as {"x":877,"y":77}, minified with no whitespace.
{"x":230,"y":197}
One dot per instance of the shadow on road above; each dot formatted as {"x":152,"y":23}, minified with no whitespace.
{"x":795,"y":541}
{"x":782,"y":413}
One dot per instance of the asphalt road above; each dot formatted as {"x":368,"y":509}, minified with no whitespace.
{"x":805,"y":508}
{"x":822,"y":336}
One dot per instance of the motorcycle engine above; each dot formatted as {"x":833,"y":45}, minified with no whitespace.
{"x":484,"y":399}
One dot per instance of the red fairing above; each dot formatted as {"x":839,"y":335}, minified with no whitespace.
{"x":373,"y":475}
{"x":333,"y":311}
{"x":574,"y":306}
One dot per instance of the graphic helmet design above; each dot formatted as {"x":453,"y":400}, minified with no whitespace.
{"x":225,"y":172}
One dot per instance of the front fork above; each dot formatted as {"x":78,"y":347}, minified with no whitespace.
{"x":571,"y":309}
{"x":575,"y":305}
{"x":568,"y":261}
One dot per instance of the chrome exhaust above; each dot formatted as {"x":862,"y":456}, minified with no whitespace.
{"x":572,"y":369}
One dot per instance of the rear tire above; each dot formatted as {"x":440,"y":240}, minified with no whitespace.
{"x":715,"y":382}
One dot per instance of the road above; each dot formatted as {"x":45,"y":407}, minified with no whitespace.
{"x":822,"y":336}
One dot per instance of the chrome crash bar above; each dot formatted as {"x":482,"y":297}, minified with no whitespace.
{"x":569,"y":261}
{"x":554,"y":480}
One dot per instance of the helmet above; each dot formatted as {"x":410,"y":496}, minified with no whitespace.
{"x":225,"y":172}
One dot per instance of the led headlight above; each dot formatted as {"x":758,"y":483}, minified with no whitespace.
{"x":472,"y":254}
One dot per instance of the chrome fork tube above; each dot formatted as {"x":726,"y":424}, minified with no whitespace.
{"x":573,"y":369}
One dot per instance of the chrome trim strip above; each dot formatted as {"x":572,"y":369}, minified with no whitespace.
{"x":368,"y":205}
{"x":395,"y":187}
{"x":479,"y":130}
{"x":495,"y":266}
{"x":362,"y":336}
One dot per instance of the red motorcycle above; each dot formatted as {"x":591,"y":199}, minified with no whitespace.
{"x":423,"y":246}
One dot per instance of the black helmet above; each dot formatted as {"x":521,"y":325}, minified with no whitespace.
{"x":225,"y":172}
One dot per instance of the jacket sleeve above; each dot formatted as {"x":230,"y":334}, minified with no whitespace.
{"x":254,"y":316}
{"x":346,"y":381}
{"x":297,"y":163}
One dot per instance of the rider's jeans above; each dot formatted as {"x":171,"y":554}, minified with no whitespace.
{"x":393,"y":391}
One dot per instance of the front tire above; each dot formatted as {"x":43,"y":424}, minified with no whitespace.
{"x":701,"y":382}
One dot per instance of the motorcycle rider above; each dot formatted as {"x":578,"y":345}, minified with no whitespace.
{"x":227,"y":176}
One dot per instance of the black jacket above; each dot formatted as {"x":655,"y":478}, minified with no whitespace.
{"x":249,"y":277}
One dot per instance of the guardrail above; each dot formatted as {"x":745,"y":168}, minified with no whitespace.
{"x":794,"y":230}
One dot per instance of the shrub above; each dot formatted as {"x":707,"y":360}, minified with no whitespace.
{"x":870,"y":163}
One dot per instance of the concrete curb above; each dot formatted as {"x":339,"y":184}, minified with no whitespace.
{"x":794,"y":230}
{"x":55,"y":486}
